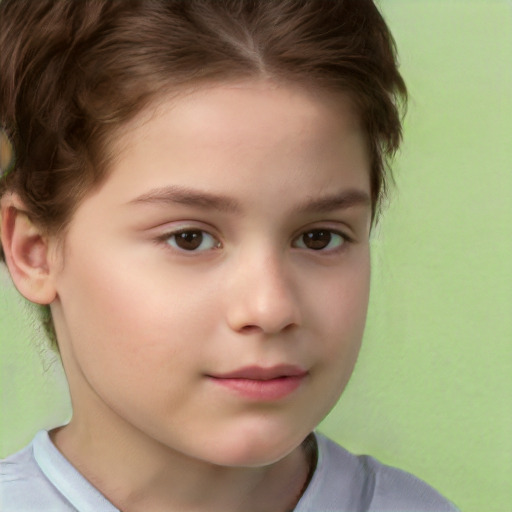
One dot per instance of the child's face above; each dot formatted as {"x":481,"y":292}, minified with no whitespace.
{"x":213,"y":291}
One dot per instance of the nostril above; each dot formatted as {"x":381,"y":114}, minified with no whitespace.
{"x":250,"y":329}
{"x":255,"y":329}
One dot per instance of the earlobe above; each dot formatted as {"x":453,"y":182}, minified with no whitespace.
{"x":26,"y":253}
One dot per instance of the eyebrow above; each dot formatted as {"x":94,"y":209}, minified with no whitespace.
{"x":346,"y":199}
{"x":188,"y":197}
{"x":209,"y":201}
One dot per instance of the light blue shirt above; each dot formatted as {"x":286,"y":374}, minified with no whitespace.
{"x":39,"y":478}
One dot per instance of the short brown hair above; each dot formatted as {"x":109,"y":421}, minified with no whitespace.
{"x":73,"y":72}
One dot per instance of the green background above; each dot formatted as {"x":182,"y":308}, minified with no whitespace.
{"x":432,"y":392}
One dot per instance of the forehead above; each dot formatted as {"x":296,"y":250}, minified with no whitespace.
{"x":246,"y":140}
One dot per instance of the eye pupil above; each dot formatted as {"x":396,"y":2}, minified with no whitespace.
{"x":317,"y":239}
{"x":189,"y":240}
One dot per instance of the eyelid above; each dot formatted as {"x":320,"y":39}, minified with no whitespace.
{"x":184,"y":227}
{"x":336,"y":226}
{"x":347,"y":239}
{"x":175,"y":228}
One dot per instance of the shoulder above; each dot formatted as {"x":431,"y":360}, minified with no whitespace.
{"x":24,"y":487}
{"x":17,"y":470}
{"x":345,"y":482}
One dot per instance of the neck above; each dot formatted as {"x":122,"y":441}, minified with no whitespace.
{"x":136,"y":472}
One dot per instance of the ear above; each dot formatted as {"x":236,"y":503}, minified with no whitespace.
{"x":26,"y":252}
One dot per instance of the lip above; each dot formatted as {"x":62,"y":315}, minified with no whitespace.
{"x":262,"y":384}
{"x":262,"y":373}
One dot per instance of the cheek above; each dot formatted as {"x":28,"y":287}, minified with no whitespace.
{"x":128,"y":319}
{"x":346,"y":303}
{"x":342,"y":313}
{"x":134,"y":339}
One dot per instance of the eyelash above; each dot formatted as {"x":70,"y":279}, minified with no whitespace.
{"x":194,"y":235}
{"x":343,"y":240}
{"x":197,"y":236}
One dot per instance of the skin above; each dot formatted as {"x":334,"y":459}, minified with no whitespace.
{"x":144,"y":324}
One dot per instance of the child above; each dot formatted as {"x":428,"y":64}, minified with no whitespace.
{"x":192,"y":193}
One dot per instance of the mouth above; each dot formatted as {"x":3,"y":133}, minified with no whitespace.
{"x":261,"y":384}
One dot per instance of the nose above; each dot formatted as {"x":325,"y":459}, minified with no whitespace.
{"x":262,"y":296}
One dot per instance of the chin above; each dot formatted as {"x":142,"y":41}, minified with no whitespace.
{"x":255,"y":450}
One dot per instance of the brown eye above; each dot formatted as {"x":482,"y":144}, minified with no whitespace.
{"x":319,"y":239}
{"x":192,"y":240}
